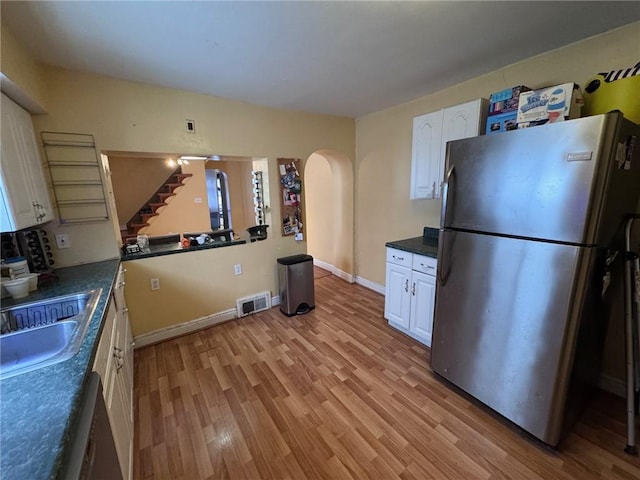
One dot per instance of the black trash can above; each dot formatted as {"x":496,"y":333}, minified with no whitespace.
{"x":295,"y":280}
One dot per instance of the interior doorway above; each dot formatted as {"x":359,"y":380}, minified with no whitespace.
{"x":329,"y":197}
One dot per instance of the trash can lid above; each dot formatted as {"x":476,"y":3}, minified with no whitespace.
{"x":293,"y":259}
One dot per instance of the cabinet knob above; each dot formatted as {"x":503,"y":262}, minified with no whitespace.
{"x":413,"y":289}
{"x":121,"y":284}
{"x":406,"y":285}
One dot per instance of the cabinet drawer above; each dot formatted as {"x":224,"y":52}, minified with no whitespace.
{"x":424,"y":264}
{"x":399,"y":257}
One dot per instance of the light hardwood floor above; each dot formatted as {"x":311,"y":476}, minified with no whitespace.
{"x":337,"y":394}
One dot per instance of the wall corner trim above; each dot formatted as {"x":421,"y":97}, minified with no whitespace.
{"x":334,"y":271}
{"x":376,"y":287}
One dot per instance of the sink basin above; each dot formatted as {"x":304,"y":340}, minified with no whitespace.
{"x":37,"y":334}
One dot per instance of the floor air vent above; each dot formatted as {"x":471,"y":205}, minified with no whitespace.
{"x":254,"y":303}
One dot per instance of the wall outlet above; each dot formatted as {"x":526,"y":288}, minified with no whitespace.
{"x":62,"y":240}
{"x":197,"y":200}
{"x":237,"y":269}
{"x":155,"y":284}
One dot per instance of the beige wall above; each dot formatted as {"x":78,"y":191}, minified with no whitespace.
{"x":383,"y":139}
{"x":21,"y":70}
{"x":320,"y":197}
{"x":134,"y":117}
{"x":197,"y":284}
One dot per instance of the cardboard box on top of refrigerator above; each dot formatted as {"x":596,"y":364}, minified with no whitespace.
{"x":549,"y":105}
{"x":506,"y":100}
{"x":502,"y":122}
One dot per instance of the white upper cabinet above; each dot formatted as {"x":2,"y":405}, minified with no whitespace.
{"x":427,"y":140}
{"x":431,"y":132}
{"x":23,"y":191}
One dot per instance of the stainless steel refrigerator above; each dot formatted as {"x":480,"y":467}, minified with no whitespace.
{"x":529,"y":220}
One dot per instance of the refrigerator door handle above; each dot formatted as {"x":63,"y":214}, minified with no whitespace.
{"x":445,"y":196}
{"x":442,"y":271}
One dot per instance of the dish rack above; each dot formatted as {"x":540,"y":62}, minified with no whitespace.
{"x":39,"y":314}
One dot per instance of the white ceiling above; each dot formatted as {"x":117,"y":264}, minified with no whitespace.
{"x":342,"y":58}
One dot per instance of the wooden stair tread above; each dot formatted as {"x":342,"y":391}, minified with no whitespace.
{"x":182,"y":176}
{"x":149,"y":209}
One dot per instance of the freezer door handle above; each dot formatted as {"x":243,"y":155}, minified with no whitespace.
{"x":445,"y":196}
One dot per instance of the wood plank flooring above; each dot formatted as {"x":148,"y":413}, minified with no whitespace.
{"x":337,"y":394}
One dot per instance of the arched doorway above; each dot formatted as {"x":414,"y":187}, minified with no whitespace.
{"x":329,"y":197}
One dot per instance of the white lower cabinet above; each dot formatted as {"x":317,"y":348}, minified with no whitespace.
{"x":410,"y":291}
{"x":114,"y":363}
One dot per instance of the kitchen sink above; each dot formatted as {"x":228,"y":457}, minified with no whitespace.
{"x":34,"y":335}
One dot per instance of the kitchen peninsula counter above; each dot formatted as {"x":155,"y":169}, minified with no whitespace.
{"x":39,"y":408}
{"x":174,"y":247}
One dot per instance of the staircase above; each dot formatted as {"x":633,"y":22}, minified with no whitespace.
{"x":157,"y":200}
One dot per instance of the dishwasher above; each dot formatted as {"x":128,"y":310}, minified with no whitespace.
{"x":92,"y":454}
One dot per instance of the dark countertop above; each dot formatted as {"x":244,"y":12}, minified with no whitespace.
{"x":419,"y":245}
{"x":38,"y":408}
{"x":175,"y":247}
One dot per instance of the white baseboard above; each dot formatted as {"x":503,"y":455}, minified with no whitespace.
{"x":191,"y":326}
{"x":376,"y":287}
{"x":184,"y":328}
{"x":612,"y":385}
{"x":335,"y":271}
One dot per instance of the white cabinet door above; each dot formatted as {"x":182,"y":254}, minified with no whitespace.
{"x":123,"y":406}
{"x":114,"y":362}
{"x":104,"y":355}
{"x":397,"y":300}
{"x":23,"y":190}
{"x":423,"y":294}
{"x":462,"y":121}
{"x":425,"y":160}
{"x":124,"y":379}
{"x":14,"y":173}
{"x":431,"y":132}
